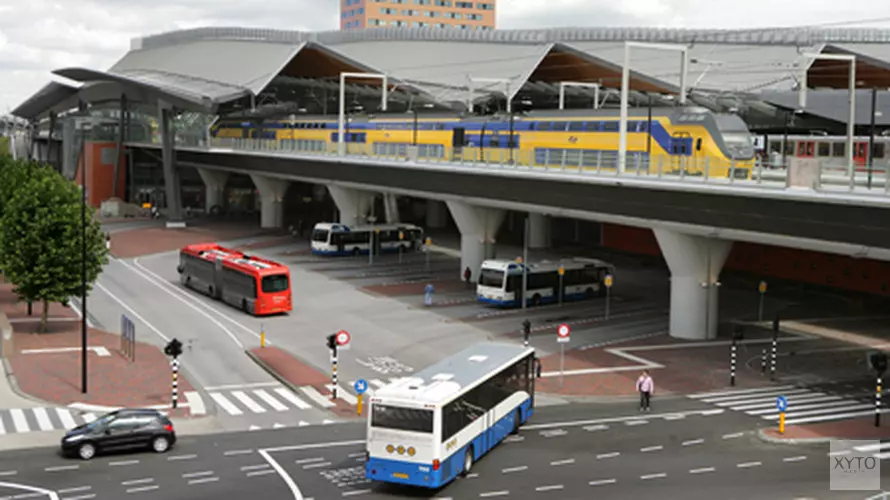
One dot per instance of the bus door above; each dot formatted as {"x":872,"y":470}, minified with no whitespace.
{"x":860,"y":153}
{"x":806,"y":149}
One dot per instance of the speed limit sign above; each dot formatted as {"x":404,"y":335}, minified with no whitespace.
{"x":343,"y":339}
{"x":562,"y":333}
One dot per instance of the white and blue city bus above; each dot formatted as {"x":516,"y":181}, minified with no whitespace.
{"x":500,"y":281}
{"x":427,"y":429}
{"x":330,"y":238}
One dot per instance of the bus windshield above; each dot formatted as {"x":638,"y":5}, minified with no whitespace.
{"x":275,"y":283}
{"x":320,"y":235}
{"x":402,"y":419}
{"x":491,"y":277}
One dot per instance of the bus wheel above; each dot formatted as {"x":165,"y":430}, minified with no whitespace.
{"x":244,"y":305}
{"x":356,"y":251}
{"x":468,"y":462}
{"x":589,"y":293}
{"x":516,"y":422}
{"x":210,"y":291}
{"x":536,"y":300}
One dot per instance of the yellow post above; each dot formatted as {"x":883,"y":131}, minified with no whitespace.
{"x":359,"y":406}
{"x":782,"y":423}
{"x":263,"y":338}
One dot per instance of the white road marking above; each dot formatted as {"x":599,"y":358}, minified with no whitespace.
{"x":197,"y":474}
{"x":636,"y":422}
{"x":494,"y":493}
{"x":602,"y":481}
{"x":355,"y":492}
{"x":743,"y":391}
{"x":131,"y":311}
{"x":82,"y":497}
{"x":134,"y":482}
{"x":195,"y":402}
{"x":514,"y":469}
{"x":825,"y":418}
{"x":64,"y":416}
{"x":242,"y":386}
{"x":796,"y":414}
{"x":43,"y":420}
{"x":75,"y":490}
{"x":794,"y":459}
{"x":249,"y":403}
{"x":316,"y":396}
{"x":701,"y":470}
{"x":868,"y":447}
{"x":654,"y":476}
{"x":59,"y":468}
{"x":182,"y":457}
{"x":651,"y":448}
{"x":254,"y":467}
{"x":716,"y":411}
{"x":88,"y":417}
{"x":838,"y":453}
{"x":19,"y":420}
{"x":591,"y":428}
{"x":678,"y":416}
{"x":733,"y":435}
{"x":755,"y":398}
{"x":693,"y":441}
{"x":316,"y":465}
{"x":260,"y":472}
{"x":608,"y":455}
{"x":563,"y":462}
{"x":745,"y":465}
{"x":143,"y":488}
{"x":471,"y":476}
{"x":882,"y":456}
{"x":123,"y":462}
{"x":611,"y":420}
{"x":254,"y":428}
{"x":771,"y":408}
{"x":549,"y":488}
{"x":292,"y":398}
{"x":358,"y":454}
{"x":274,"y":403}
{"x":232,"y":453}
{"x":203,"y":480}
{"x":276,"y":425}
{"x":553,"y":433}
{"x":514,"y":439}
{"x":6,"y":473}
{"x":226,"y":405}
{"x":343,"y":394}
{"x":309,"y":460}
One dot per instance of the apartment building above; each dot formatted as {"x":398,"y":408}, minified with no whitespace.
{"x":450,"y":14}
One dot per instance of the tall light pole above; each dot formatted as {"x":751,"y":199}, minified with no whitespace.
{"x":851,"y":120}
{"x":525,"y":261}
{"x":562,"y":92}
{"x":625,"y":89}
{"x":341,"y":119}
{"x":83,"y":263}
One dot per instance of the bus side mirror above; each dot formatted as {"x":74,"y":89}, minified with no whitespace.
{"x":698,"y":144}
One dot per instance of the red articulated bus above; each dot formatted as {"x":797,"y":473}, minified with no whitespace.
{"x":256,"y":286}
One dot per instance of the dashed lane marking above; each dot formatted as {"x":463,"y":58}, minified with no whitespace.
{"x":191,"y":475}
{"x":701,"y":470}
{"x":549,"y":488}
{"x":514,"y":469}
{"x":693,"y":442}
{"x":746,"y":465}
{"x":653,"y":476}
{"x":794,"y":459}
{"x":601,"y":482}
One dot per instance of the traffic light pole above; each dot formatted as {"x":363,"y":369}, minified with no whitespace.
{"x":878,"y":403}
{"x":175,"y":366}
{"x":334,"y":371}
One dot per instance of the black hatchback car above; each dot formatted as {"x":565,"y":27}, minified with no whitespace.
{"x":119,"y":430}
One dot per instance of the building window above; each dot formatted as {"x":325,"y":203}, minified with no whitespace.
{"x":361,"y":10}
{"x":452,"y":15}
{"x":410,"y":12}
{"x":474,"y":17}
{"x":387,"y":10}
{"x":464,"y":5}
{"x":375,"y":22}
{"x":443,"y":3}
{"x":485,"y":6}
{"x":423,"y":24}
{"x":441,"y":25}
{"x":422,"y":2}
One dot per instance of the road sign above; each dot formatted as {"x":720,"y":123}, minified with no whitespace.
{"x":343,"y":339}
{"x":429,"y":241}
{"x":762,"y":287}
{"x":563,"y":333}
{"x":608,"y":281}
{"x":519,"y":260}
{"x":401,"y":236}
{"x":781,"y":403}
{"x":562,"y":270}
{"x":361,"y":386}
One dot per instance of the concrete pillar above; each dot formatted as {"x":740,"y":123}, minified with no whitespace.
{"x":695,"y":263}
{"x":436,"y":217}
{"x":272,"y":192}
{"x":354,"y":205}
{"x":171,"y":173}
{"x":391,"y":208}
{"x":478,"y":227}
{"x":215,"y":182}
{"x":539,"y":231}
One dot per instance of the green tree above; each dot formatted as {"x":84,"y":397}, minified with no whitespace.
{"x":13,"y":176}
{"x":40,"y":240}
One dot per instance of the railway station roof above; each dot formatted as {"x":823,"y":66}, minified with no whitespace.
{"x":201,"y":69}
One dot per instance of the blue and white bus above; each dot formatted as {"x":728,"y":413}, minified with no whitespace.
{"x":500,"y":281}
{"x":330,"y":238}
{"x":427,"y":429}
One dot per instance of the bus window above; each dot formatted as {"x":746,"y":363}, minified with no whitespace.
{"x":491,"y":277}
{"x":402,"y":419}
{"x":275,"y":283}
{"x":320,"y":235}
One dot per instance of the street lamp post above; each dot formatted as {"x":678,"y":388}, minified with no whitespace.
{"x":625,"y":89}
{"x":594,"y":86}
{"x":851,"y":120}
{"x":341,"y":119}
{"x":83,"y":264}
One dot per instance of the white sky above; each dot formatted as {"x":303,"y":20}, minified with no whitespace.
{"x":37,"y":36}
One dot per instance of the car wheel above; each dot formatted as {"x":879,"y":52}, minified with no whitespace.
{"x":86,"y":451}
{"x":160,"y":444}
{"x":468,"y":462}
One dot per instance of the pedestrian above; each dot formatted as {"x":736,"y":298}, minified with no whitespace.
{"x":467,"y":275}
{"x":646,"y":388}
{"x":428,"y":294}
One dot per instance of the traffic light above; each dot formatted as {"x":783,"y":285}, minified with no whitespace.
{"x":878,"y":361}
{"x":173,"y":348}
{"x":332,"y":341}
{"x":738,"y":332}
{"x":526,"y":330}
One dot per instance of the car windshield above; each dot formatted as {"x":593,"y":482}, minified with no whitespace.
{"x":102,"y":421}
{"x":275,"y":283}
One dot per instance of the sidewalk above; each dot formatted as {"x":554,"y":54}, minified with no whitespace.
{"x":294,"y":374}
{"x":858,"y":429}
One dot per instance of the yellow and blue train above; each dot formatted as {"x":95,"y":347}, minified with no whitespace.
{"x":694,"y":141}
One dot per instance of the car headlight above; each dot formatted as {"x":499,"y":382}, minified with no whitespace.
{"x":75,"y":437}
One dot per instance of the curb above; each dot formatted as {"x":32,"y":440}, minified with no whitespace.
{"x":774,"y":440}
{"x":14,"y":385}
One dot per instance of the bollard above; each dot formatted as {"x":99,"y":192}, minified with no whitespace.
{"x":334,"y":374}
{"x":262,"y":337}
{"x":772,"y":374}
{"x":878,"y":403}
{"x":782,"y":422}
{"x":732,"y":364}
{"x":358,"y":407}
{"x":763,"y":362}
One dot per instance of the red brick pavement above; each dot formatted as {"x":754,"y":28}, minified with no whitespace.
{"x":861,"y":428}
{"x":296,"y":251}
{"x":416,"y":288}
{"x":145,"y":241}
{"x":298,"y":373}
{"x":686,"y":370}
{"x":266,"y":243}
{"x":19,"y":310}
{"x":112,"y":380}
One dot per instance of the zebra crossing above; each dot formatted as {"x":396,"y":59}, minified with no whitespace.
{"x":41,"y":419}
{"x":276,"y":399}
{"x":881,"y":450}
{"x":805,"y":405}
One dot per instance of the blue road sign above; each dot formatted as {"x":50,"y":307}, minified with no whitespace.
{"x":781,"y":403}
{"x":361,"y":386}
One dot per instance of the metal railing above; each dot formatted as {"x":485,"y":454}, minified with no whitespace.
{"x":675,"y":168}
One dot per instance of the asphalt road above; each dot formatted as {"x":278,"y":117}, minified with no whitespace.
{"x":567,"y":452}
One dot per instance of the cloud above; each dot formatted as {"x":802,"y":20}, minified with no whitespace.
{"x":38,"y":36}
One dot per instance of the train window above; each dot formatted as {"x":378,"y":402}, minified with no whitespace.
{"x":610,"y":126}
{"x":775,"y":146}
{"x":698,"y":144}
{"x":878,"y":151}
{"x":824,"y":149}
{"x":592,"y":126}
{"x":544,"y":125}
{"x":838,"y":149}
{"x":576,"y":126}
{"x":559,"y":126}
{"x":644,"y":126}
{"x":789,"y":148}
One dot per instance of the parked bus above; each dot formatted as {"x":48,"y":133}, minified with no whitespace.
{"x":330,"y":238}
{"x":500,"y":282}
{"x":254,"y":285}
{"x":426,"y":429}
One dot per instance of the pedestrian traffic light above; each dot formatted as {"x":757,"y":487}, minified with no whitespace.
{"x":526,"y":330}
{"x":173,"y":348}
{"x":878,"y":361}
{"x":332,"y":341}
